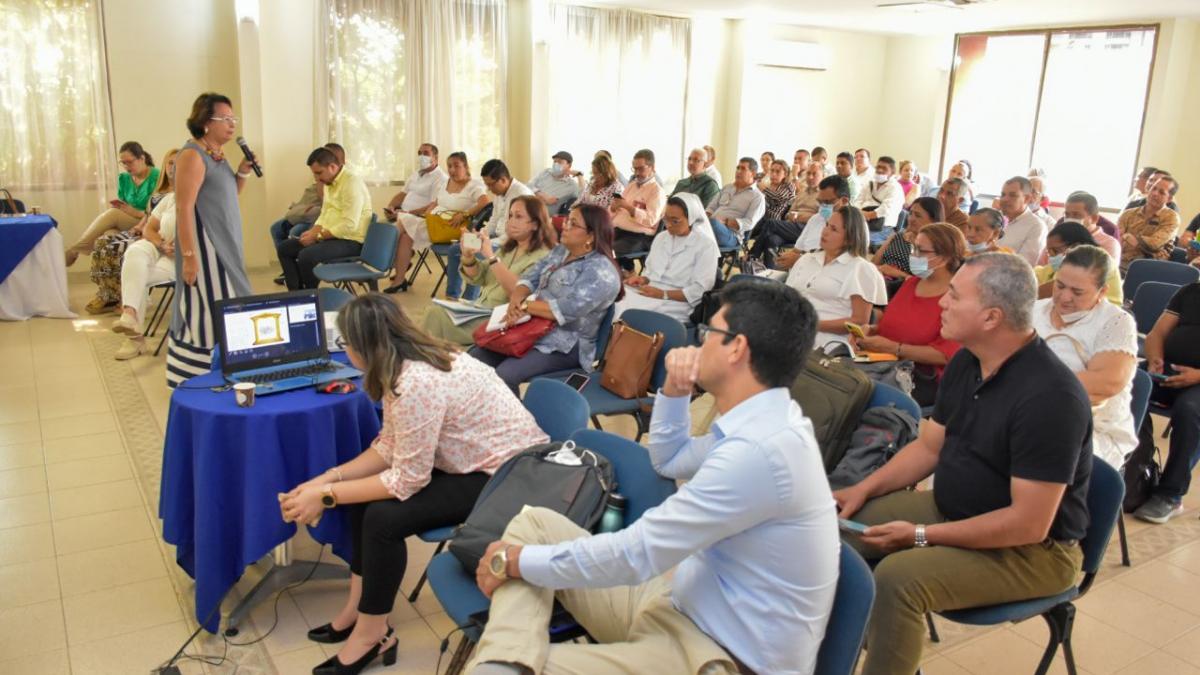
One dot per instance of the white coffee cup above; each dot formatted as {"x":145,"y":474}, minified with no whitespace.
{"x":243,"y":393}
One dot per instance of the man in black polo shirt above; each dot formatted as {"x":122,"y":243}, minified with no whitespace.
{"x":1010,"y":449}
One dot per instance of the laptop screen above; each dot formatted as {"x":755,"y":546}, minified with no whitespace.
{"x":265,"y":330}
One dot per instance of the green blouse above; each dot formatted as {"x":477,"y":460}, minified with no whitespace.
{"x":137,"y":196}
{"x":492,"y":291}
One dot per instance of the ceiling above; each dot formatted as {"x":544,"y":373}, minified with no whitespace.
{"x":864,"y":15}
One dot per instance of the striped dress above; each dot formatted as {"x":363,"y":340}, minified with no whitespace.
{"x":222,"y":271}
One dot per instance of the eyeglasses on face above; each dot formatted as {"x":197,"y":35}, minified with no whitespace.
{"x":230,"y":119}
{"x":703,"y":330}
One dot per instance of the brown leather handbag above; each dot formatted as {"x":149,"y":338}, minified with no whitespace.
{"x":629,"y":361}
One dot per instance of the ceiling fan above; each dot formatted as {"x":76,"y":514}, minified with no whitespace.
{"x":945,"y":4}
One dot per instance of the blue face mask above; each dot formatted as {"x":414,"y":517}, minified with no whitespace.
{"x":556,"y":169}
{"x":919,"y":267}
{"x":1056,"y":261}
{"x":981,"y":247}
{"x":826,"y":211}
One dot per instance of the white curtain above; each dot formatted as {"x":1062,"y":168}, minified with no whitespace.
{"x":615,"y":80}
{"x":55,"y":120}
{"x":401,"y":73}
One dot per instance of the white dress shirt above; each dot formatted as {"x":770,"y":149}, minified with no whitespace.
{"x":687,"y":264}
{"x":887,"y":197}
{"x":714,"y":174}
{"x":1025,"y":235}
{"x":500,"y":204}
{"x":420,"y":189}
{"x":830,"y":287}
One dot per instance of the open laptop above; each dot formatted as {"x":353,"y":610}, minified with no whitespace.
{"x":276,"y":341}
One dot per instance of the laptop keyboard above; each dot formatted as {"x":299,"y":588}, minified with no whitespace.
{"x":313,"y":370}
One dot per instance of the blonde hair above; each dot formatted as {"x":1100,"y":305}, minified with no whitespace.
{"x":164,"y":176}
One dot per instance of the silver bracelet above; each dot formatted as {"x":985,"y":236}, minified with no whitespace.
{"x":243,"y":175}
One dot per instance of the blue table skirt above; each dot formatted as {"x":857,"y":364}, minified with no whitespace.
{"x":223,"y":467}
{"x":18,"y":236}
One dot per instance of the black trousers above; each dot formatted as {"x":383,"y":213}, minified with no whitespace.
{"x":299,"y":260}
{"x":380,"y":528}
{"x":626,"y":242}
{"x":1185,"y":439}
{"x":769,"y":235}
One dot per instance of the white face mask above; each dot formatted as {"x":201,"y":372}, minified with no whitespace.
{"x":1073,"y":316}
{"x":424,"y":161}
{"x":881,"y":178}
{"x":557,"y":169}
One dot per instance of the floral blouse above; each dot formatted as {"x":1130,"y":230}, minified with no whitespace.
{"x":578,"y":292}
{"x":602,"y":197}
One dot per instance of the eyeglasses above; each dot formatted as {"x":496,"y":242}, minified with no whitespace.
{"x":228,"y":118}
{"x":703,"y":329}
{"x":574,"y":226}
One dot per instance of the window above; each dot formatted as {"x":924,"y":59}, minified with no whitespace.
{"x":1031,"y":100}
{"x":55,"y":129}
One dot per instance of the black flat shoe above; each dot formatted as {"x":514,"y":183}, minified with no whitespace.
{"x":329,"y":635}
{"x":332,"y":666}
{"x":397,"y":288}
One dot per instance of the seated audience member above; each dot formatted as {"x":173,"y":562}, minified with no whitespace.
{"x":778,"y":192}
{"x":1189,"y":235}
{"x":697,"y":182}
{"x":881,"y":199}
{"x":530,"y":236}
{"x":606,"y":155}
{"x":863,"y":168}
{"x":844,"y":167}
{"x":821,"y":156}
{"x":951,"y":195}
{"x":1024,"y":233}
{"x":556,"y":187}
{"x":1065,"y":237}
{"x":460,"y":198}
{"x":737,"y":207}
{"x":800,"y":162}
{"x":984,"y":229}
{"x":776,"y":227}
{"x":893,"y":256}
{"x":135,"y":184}
{"x":303,"y":213}
{"x":833,"y":193}
{"x":502,"y":189}
{"x":753,"y":504}
{"x":911,"y":325}
{"x":805,"y":204}
{"x":963,"y":171}
{"x":1149,"y":231}
{"x":681,"y":265}
{"x":448,"y":424}
{"x":1083,"y":208}
{"x":422,"y":186}
{"x":763,"y":177}
{"x":1171,"y":349}
{"x":1038,"y":202}
{"x":838,"y":278}
{"x":339,"y":230}
{"x":1097,"y":340}
{"x":604,"y":185}
{"x":636,"y":212}
{"x":575,"y":284}
{"x":910,"y":181}
{"x":108,"y":251}
{"x":1139,"y":183}
{"x":1010,"y":447}
{"x":1141,"y":200}
{"x":710,"y":168}
{"x":147,"y":261}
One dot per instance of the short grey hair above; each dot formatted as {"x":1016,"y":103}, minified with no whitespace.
{"x":1006,"y":282}
{"x":702,"y":151}
{"x":958,"y":183}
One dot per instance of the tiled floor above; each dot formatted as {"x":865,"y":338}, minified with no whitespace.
{"x":87,"y":586}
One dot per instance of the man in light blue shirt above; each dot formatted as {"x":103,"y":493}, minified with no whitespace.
{"x":555,"y":187}
{"x":738,"y":207}
{"x":752,"y":535}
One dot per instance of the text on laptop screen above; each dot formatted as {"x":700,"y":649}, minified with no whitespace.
{"x":270,"y":328}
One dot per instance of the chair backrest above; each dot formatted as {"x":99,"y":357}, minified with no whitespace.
{"x":1105,"y":493}
{"x":674,"y":335}
{"x":1147,"y":269}
{"x":558,"y":409}
{"x":331,"y":299}
{"x":637,"y":480}
{"x":902,"y":220}
{"x":605,"y":330}
{"x":885,"y":395}
{"x":838,"y":654}
{"x":1149,"y":302}
{"x":1140,"y":400}
{"x":379,"y":247}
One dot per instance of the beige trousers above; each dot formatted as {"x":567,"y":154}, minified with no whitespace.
{"x":109,"y":219}
{"x":638,"y":627}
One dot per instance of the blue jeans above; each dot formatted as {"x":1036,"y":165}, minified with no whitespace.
{"x":726,"y":239}
{"x":282,"y":229}
{"x":454,"y":281}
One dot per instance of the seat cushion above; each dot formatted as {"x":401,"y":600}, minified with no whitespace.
{"x":604,"y":402}
{"x":456,"y":591}
{"x":346,"y":271}
{"x":1010,"y":611}
{"x":437,"y":534}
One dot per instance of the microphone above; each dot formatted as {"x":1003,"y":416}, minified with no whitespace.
{"x":250,"y":156}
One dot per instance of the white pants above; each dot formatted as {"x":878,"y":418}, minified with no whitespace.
{"x":143,"y":266}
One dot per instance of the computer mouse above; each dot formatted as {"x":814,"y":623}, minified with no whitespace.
{"x":336,"y":387}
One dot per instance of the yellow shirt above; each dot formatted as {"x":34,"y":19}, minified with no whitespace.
{"x":1045,"y":273}
{"x":346,"y":211}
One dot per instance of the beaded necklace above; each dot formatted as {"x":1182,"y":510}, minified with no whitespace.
{"x":218,"y":155}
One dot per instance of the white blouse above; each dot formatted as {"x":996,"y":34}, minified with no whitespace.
{"x":830,"y":287}
{"x":687,"y":264}
{"x":462,"y":200}
{"x":1107,"y":328}
{"x":165,"y":212}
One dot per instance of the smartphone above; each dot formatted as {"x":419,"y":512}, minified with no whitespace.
{"x":855,"y":330}
{"x":116,"y":202}
{"x":1159,"y":376}
{"x":471,"y":240}
{"x":1195,"y":244}
{"x":578,"y":381}
{"x":851,"y":526}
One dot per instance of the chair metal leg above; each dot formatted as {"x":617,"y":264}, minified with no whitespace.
{"x":461,"y":654}
{"x":412,"y":597}
{"x":442,"y":277}
{"x":1121,"y":536}
{"x":596,"y":423}
{"x":933,"y":634}
{"x":159,"y":311}
{"x":1060,"y":620}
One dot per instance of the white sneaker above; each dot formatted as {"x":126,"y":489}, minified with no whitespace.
{"x":127,"y":325}
{"x":130,"y":349}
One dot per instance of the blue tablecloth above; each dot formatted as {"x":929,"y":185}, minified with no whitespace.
{"x":18,"y":236}
{"x":224,"y":466}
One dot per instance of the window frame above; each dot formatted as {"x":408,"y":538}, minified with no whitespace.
{"x":1047,"y":35}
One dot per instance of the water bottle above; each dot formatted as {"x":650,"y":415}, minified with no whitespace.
{"x":614,"y":514}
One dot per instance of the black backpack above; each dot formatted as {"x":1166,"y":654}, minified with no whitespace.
{"x":533,"y":478}
{"x":1141,"y":470}
{"x":832,"y":396}
{"x":883,"y":432}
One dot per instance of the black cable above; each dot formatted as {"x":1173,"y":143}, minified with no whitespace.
{"x":442,"y":650}
{"x":275,"y":607}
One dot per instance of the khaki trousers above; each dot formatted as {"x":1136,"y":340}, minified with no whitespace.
{"x":639,"y":629}
{"x":109,"y":219}
{"x":910,"y":583}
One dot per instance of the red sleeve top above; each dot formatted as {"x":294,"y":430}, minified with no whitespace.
{"x":914,"y":320}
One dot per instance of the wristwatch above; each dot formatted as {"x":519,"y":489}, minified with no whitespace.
{"x":328,"y":498}
{"x":498,"y":563}
{"x":524,"y":306}
{"x":919,"y":539}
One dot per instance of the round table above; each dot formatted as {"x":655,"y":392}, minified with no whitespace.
{"x":224,"y":466}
